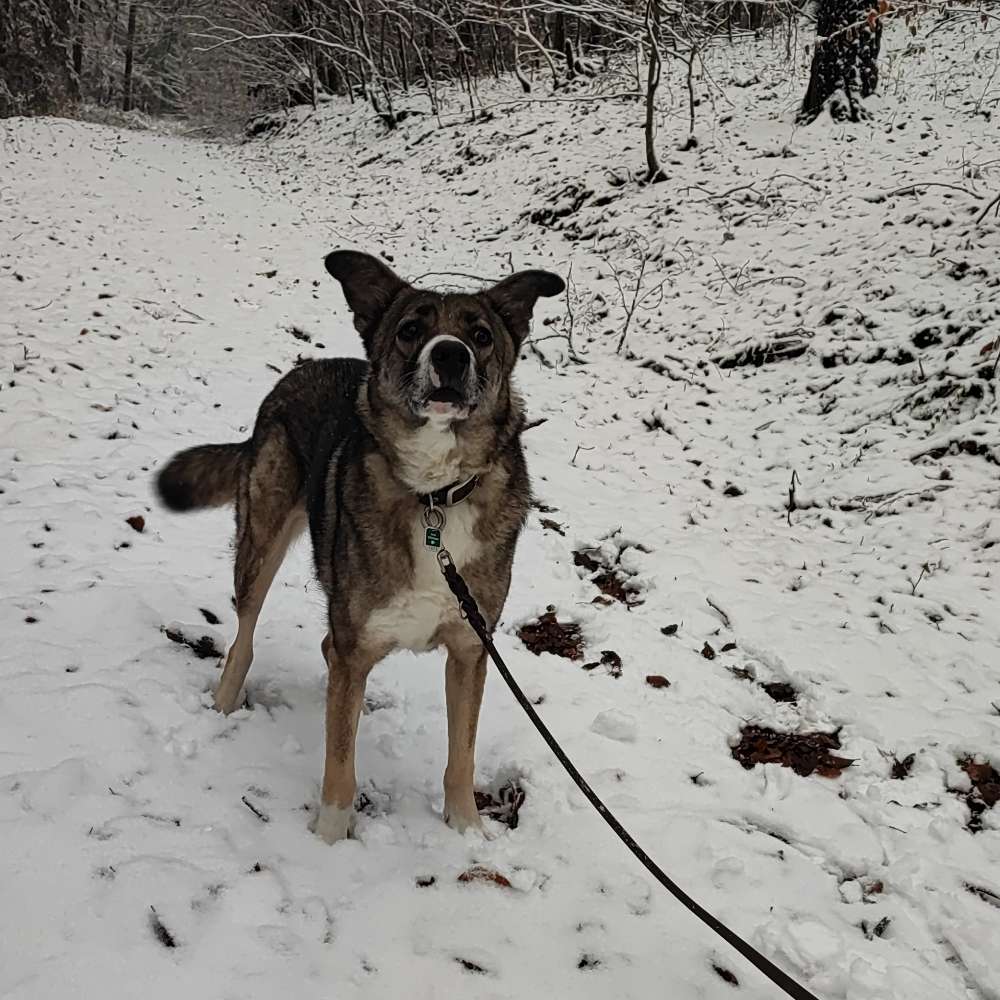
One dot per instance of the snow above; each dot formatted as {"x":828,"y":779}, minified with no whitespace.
{"x":141,"y":315}
{"x":616,"y":725}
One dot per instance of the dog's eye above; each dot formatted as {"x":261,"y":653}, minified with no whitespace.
{"x":408,"y":331}
{"x":482,"y":336}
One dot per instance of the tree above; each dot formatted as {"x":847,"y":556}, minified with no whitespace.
{"x":35,"y":71}
{"x":654,"y":70}
{"x":129,"y":58}
{"x":845,"y":59}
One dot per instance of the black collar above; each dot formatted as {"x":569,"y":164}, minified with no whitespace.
{"x":448,"y":496}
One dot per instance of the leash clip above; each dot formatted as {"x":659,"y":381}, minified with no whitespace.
{"x":456,"y":584}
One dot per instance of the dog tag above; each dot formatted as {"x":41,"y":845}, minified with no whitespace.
{"x":433,"y":523}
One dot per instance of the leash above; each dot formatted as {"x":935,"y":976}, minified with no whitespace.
{"x":470,"y":611}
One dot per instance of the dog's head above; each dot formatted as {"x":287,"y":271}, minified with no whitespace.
{"x":433,"y":355}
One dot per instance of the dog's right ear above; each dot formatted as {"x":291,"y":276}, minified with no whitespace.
{"x":369,"y":287}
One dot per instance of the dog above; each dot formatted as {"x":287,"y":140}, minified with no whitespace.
{"x":384,"y":459}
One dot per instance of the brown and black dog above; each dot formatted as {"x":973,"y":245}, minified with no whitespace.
{"x":363,"y":451}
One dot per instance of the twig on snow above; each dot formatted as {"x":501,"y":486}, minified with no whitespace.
{"x":912,"y":189}
{"x":994,"y":203}
{"x":791,"y":496}
{"x":722,"y":614}
{"x":260,"y":814}
{"x":925,"y":568}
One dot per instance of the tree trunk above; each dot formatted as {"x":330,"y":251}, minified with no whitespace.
{"x":653,"y":171}
{"x":129,"y":52}
{"x":77,"y":84}
{"x":404,"y":64}
{"x":845,"y":60}
{"x":559,"y":32}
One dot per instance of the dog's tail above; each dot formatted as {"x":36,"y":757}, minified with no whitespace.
{"x":206,"y":476}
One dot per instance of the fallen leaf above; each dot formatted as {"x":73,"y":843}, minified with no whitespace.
{"x":610,"y":660}
{"x":480,"y":873}
{"x":901,"y":768}
{"x":781,"y":691}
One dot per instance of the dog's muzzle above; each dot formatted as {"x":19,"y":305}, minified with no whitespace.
{"x":446,"y":378}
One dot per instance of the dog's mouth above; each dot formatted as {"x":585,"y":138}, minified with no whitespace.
{"x":445,"y":401}
{"x":445,"y":395}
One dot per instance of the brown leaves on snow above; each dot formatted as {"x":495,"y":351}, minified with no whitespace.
{"x":549,"y":635}
{"x":985,"y":793}
{"x":504,"y":806}
{"x":804,"y":753}
{"x":611,"y":581}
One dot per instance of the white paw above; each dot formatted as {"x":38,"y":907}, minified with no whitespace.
{"x":226,"y":704}
{"x":463,"y":821}
{"x":333,"y":823}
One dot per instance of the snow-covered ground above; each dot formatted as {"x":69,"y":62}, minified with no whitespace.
{"x":149,"y":288}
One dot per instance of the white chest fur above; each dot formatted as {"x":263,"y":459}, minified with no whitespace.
{"x":428,"y":458}
{"x":411,"y":618}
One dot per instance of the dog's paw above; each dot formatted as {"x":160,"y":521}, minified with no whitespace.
{"x":226,"y":704}
{"x":463,"y":820}
{"x":333,"y":823}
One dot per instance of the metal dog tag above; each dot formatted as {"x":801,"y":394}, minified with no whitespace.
{"x":433,"y":523}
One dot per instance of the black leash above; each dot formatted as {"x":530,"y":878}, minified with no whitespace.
{"x":470,"y":611}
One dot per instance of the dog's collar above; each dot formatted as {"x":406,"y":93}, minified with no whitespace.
{"x":448,"y":496}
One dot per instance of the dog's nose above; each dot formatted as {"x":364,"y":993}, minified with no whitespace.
{"x":451,"y":360}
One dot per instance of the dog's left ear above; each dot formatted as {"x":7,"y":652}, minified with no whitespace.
{"x":514,"y":298}
{"x":369,"y":287}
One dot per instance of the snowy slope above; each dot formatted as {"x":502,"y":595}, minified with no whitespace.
{"x":149,"y":288}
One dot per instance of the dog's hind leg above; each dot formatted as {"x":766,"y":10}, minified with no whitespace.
{"x":465,"y":677}
{"x":269,"y":517}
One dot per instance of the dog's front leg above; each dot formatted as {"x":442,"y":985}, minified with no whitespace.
{"x":465,"y":676}
{"x":345,"y":694}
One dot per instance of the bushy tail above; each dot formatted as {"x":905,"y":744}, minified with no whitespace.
{"x":206,"y":476}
